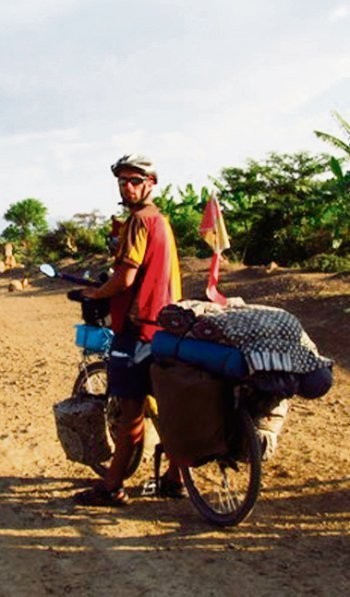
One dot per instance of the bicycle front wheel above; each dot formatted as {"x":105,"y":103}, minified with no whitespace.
{"x":224,"y":489}
{"x":92,"y":380}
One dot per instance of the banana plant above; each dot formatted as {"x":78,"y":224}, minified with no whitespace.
{"x":335,"y":164}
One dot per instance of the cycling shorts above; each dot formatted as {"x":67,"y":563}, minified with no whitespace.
{"x":128,"y":367}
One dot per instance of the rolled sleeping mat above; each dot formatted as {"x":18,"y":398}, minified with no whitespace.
{"x":211,"y":356}
{"x":165,"y":344}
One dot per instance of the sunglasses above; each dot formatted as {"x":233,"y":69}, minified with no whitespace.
{"x":134,"y":180}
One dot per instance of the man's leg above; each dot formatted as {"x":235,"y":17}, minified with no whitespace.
{"x":171,"y":482}
{"x":129,"y":431}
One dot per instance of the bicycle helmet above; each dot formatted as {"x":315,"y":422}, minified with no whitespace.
{"x":135,"y":161}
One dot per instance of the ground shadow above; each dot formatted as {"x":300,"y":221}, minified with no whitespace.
{"x":72,"y":549}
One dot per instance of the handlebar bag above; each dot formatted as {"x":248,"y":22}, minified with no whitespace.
{"x":95,"y":339}
{"x":191,"y":412}
{"x":94,"y":311}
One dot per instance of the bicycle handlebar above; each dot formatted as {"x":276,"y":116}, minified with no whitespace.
{"x":94,"y":311}
{"x":77,"y":280}
{"x":77,"y":295}
{"x":50,"y":271}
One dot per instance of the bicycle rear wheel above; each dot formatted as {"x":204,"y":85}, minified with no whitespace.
{"x":224,"y":489}
{"x":92,"y":380}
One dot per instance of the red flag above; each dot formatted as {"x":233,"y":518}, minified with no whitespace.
{"x":213,"y":230}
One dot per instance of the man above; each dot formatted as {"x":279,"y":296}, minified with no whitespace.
{"x":146,"y":278}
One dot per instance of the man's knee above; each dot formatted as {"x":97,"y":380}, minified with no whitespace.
{"x":126,"y":419}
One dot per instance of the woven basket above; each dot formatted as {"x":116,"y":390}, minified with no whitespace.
{"x":81,"y":429}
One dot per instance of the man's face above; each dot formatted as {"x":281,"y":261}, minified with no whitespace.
{"x":133,"y":186}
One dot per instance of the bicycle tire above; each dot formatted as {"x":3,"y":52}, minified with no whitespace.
{"x":209,"y":486}
{"x":92,"y":380}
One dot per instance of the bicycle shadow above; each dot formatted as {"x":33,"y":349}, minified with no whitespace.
{"x":53,"y":497}
{"x":42,"y":530}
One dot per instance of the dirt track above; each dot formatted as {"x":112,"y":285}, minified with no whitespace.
{"x":297,"y":541}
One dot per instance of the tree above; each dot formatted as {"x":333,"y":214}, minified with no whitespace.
{"x":335,"y":141}
{"x":28,"y":224}
{"x":338,"y":143}
{"x":91,"y":219}
{"x":340,"y":188}
{"x":28,"y":219}
{"x":275,"y":210}
{"x":185,"y":215}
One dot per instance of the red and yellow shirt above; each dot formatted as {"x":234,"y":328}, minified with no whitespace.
{"x":146,"y":242}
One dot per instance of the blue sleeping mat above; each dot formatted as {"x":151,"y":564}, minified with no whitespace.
{"x":217,"y":358}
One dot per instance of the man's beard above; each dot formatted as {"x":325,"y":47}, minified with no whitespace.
{"x":130,"y":204}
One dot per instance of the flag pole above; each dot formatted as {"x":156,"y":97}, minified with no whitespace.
{"x":213,"y":231}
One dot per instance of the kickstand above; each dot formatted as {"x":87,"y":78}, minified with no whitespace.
{"x":158,"y":451}
{"x":151,"y":486}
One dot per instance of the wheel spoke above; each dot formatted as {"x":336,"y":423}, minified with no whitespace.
{"x":219,"y":486}
{"x":229,"y":501}
{"x":225,"y":490}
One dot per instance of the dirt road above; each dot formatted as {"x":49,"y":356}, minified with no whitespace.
{"x":296,"y":542}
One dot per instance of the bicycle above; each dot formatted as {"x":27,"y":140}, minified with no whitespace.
{"x":223,"y":488}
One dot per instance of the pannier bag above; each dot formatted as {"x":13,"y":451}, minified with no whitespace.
{"x":81,"y":429}
{"x":191,"y":412}
{"x":93,"y":338}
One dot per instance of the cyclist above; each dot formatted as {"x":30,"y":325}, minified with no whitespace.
{"x":146,"y":278}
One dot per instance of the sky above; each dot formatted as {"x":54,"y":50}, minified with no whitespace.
{"x":196,"y":86}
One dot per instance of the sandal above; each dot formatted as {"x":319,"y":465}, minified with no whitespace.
{"x":99,"y":496}
{"x":171,"y":489}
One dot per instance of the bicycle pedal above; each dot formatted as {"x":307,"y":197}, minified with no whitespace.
{"x":149,"y":487}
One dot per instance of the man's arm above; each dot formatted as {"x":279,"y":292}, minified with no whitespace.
{"x":123,"y":278}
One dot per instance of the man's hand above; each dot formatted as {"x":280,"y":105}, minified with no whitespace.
{"x":91,"y":293}
{"x":123,"y":278}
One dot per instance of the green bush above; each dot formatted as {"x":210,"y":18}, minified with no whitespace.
{"x":327,"y":263}
{"x":71,"y":239}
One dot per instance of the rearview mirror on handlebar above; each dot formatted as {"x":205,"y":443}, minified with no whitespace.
{"x":48,"y":270}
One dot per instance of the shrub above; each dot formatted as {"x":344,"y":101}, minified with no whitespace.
{"x":327,"y":263}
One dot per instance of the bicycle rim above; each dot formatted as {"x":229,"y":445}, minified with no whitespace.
{"x":92,"y":380}
{"x":224,"y":490}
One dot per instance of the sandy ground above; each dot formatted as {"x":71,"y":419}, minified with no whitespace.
{"x":296,"y":542}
